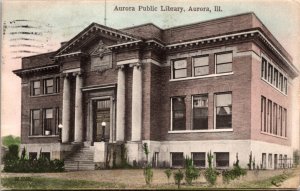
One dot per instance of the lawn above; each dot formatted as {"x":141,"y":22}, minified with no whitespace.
{"x":53,"y":183}
{"x":133,"y":179}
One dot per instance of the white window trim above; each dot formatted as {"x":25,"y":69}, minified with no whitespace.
{"x":279,"y":71}
{"x":215,"y":111}
{"x":192,"y":112}
{"x":193,"y":64}
{"x":215,"y":61}
{"x":201,"y":77}
{"x":172,"y":68}
{"x":200,"y":131}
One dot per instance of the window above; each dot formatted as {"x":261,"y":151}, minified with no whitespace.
{"x":178,"y":113}
{"x":57,"y":87}
{"x":201,"y":66}
{"x":32,"y":155}
{"x":280,"y":161}
{"x":56,"y":120}
{"x":285,"y":85}
{"x":198,"y":159}
{"x":48,"y":86}
{"x":224,"y":62}
{"x":263,"y":114}
{"x":45,"y":155}
{"x":275,"y":79}
{"x":264,"y":67}
{"x":223,"y":112}
{"x":36,"y":88}
{"x":222,"y":159}
{"x":179,"y":68}
{"x":36,"y":128}
{"x":177,"y":159}
{"x":284,"y":123}
{"x":274,"y":118}
{"x":270,"y":160}
{"x":280,"y":121}
{"x":280,"y":83}
{"x":285,"y":161}
{"x":200,"y":112}
{"x":48,"y":122}
{"x":270,"y":73}
{"x":264,"y":161}
{"x":269,"y":112}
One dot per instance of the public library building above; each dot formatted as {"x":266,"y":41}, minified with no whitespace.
{"x":220,"y":85}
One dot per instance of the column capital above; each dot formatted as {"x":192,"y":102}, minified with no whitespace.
{"x":120,"y":67}
{"x":79,"y":74}
{"x":137,"y":65}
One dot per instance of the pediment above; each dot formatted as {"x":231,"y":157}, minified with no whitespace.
{"x":95,"y":33}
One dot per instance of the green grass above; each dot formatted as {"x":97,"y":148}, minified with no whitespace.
{"x":53,"y":183}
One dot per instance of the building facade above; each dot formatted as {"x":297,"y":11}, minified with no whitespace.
{"x":219,"y":86}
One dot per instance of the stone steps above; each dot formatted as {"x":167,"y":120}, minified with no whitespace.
{"x":81,"y":159}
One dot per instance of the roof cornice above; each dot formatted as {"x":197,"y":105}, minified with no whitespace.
{"x":26,"y":71}
{"x":94,"y":27}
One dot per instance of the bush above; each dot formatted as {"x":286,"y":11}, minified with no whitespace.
{"x":148,"y":174}
{"x":23,"y":164}
{"x":178,"y":177}
{"x":12,"y":154}
{"x":234,"y":173}
{"x":211,"y":175}
{"x":168,"y":173}
{"x":191,"y":173}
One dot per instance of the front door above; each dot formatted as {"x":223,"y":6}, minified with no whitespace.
{"x":102,"y":120}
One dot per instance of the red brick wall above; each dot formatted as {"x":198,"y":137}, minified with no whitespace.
{"x":37,"y":60}
{"x":36,"y":102}
{"x":259,"y":88}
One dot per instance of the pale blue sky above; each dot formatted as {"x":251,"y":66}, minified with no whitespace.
{"x":67,"y":18}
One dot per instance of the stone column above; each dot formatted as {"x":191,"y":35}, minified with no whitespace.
{"x":136,"y":121}
{"x":120,"y":131}
{"x":66,"y":110}
{"x":78,"y":110}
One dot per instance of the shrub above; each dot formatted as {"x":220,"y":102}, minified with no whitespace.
{"x":178,"y":177}
{"x":250,"y":161}
{"x":168,"y":173}
{"x":148,"y":172}
{"x":41,"y":164}
{"x":12,"y":154}
{"x":234,"y":173}
{"x":191,"y":173}
{"x":211,"y":173}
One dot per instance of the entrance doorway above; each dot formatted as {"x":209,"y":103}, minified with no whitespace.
{"x":102,"y":120}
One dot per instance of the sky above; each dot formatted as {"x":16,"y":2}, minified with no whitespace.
{"x":57,"y":21}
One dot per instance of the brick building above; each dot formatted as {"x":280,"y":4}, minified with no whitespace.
{"x":221,"y":85}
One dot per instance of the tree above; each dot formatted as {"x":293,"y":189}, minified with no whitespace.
{"x":10,"y":140}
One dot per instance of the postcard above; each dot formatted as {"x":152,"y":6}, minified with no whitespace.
{"x":111,"y":94}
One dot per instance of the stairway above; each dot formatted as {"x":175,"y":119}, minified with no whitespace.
{"x":81,"y":159}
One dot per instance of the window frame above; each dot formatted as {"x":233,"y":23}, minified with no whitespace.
{"x":263,"y":114}
{"x":202,"y":66}
{"x":46,"y":86}
{"x":215,"y":109}
{"x":192,"y":116}
{"x":172,"y":113}
{"x":199,"y":166}
{"x":173,"y":68}
{"x":32,"y":122}
{"x":223,"y":63}
{"x":182,"y":161}
{"x":33,"y":89}
{"x":216,"y":157}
